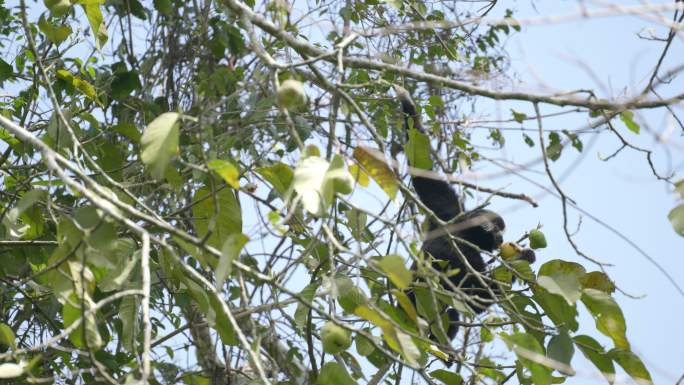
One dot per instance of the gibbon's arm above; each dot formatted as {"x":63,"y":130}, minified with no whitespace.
{"x":436,"y":194}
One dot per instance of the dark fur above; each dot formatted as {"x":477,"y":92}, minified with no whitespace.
{"x":465,"y":236}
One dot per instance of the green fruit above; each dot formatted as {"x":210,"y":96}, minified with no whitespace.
{"x":537,"y":239}
{"x":335,"y":338}
{"x":352,"y":299}
{"x":58,"y":7}
{"x":509,"y":250}
{"x":291,"y":95}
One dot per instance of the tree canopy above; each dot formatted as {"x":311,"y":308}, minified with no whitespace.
{"x":215,"y":192}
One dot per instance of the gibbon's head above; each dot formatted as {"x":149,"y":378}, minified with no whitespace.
{"x":484,"y":229}
{"x":407,"y":104}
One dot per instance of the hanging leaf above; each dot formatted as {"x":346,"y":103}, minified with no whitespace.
{"x":627,"y":118}
{"x":96,"y":20}
{"x":631,"y":363}
{"x":562,"y":278}
{"x":226,"y":170}
{"x":418,"y":150}
{"x":7,"y":337}
{"x":608,"y":316}
{"x":395,"y":269}
{"x":159,"y":143}
{"x":316,"y":181}
{"x":595,"y":353}
{"x":373,"y":163}
{"x":219,"y":214}
{"x":55,"y":33}
{"x":76,"y":82}
{"x":279,"y":175}
{"x":229,"y":252}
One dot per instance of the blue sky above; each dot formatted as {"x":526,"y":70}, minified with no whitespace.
{"x":623,"y":191}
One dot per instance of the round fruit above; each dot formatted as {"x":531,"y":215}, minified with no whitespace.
{"x":335,"y":338}
{"x":291,"y":95}
{"x":509,"y":250}
{"x":352,"y":299}
{"x":537,"y":239}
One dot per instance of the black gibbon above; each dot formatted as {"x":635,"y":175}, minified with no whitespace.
{"x":465,"y":236}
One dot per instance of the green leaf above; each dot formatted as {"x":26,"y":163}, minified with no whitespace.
{"x":55,"y":33}
{"x":627,"y":118}
{"x":558,"y":310}
{"x":219,"y":214}
{"x":279,"y":175}
{"x":418,"y":150}
{"x":124,"y":258}
{"x":597,"y":280}
{"x":364,"y":346}
{"x":159,"y":143}
{"x":555,"y":147}
{"x":595,"y":353}
{"x":83,"y":86}
{"x":518,"y":116}
{"x":561,"y":349}
{"x":222,"y":323}
{"x":562,"y":278}
{"x":608,"y":316}
{"x":631,"y":363}
{"x":395,"y":269}
{"x":308,"y":294}
{"x":333,"y":373}
{"x":71,"y":313}
{"x":373,"y":163}
{"x":679,"y":188}
{"x":676,"y":217}
{"x":128,"y":130}
{"x":447,"y":377}
{"x":528,"y":140}
{"x":165,"y":7}
{"x":229,"y":252}
{"x":316,"y":181}
{"x":7,"y":337}
{"x":124,"y":84}
{"x":96,"y":20}
{"x":531,"y":354}
{"x":130,"y":325}
{"x":226,"y":170}
{"x":6,"y":71}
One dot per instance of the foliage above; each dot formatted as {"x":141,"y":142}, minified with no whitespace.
{"x":155,"y":198}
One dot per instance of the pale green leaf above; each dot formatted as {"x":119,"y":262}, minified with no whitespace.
{"x":7,"y":336}
{"x":374,"y":164}
{"x":562,"y":278}
{"x":633,"y":365}
{"x":229,"y":252}
{"x":96,"y":20}
{"x":128,"y":313}
{"x":219,"y":214}
{"x":676,"y":217}
{"x":418,"y":150}
{"x":595,"y":353}
{"x":226,"y":170}
{"x":395,"y":269}
{"x":608,"y":315}
{"x":55,"y":33}
{"x":627,"y":118}
{"x":159,"y":143}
